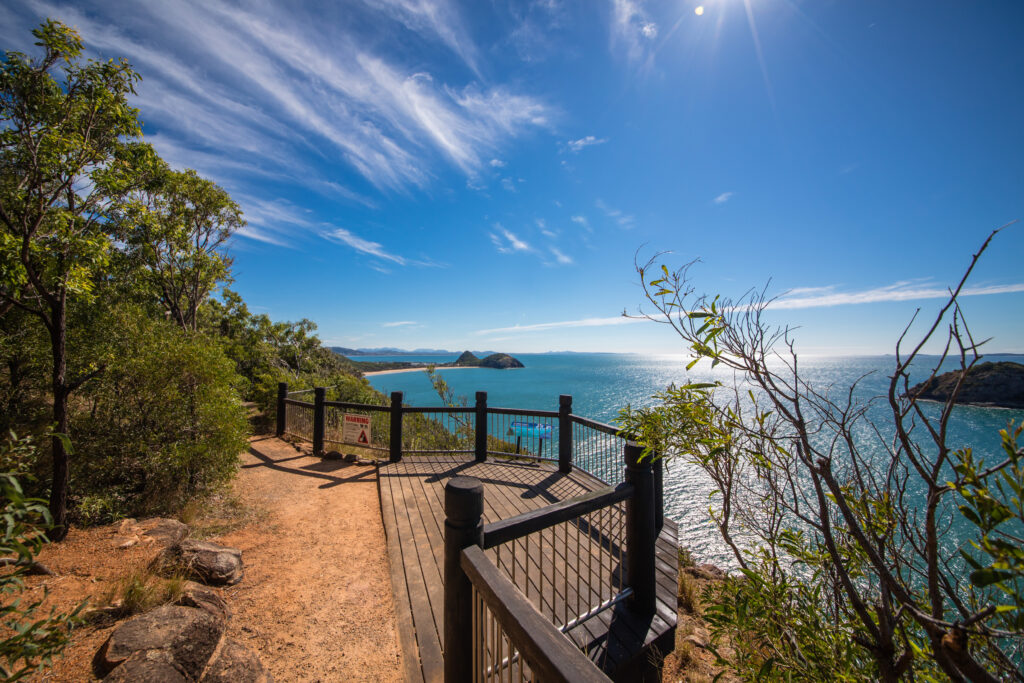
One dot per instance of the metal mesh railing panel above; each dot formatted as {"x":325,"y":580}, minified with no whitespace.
{"x":522,"y":435}
{"x":495,"y":656}
{"x":298,"y":419}
{"x":570,"y":571}
{"x":440,"y":432}
{"x":596,"y":451}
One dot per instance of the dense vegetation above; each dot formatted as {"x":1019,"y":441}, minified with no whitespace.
{"x":119,"y":343}
{"x":841,"y":525}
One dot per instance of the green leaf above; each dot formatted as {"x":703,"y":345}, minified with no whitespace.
{"x":989,"y":575}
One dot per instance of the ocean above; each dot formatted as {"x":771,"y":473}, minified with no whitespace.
{"x":602,"y":384}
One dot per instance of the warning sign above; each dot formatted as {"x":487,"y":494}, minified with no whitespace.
{"x":356,"y":429}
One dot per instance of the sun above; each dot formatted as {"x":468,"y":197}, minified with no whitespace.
{"x":699,"y":10}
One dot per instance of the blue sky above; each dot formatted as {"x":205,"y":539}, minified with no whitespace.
{"x":425,"y":173}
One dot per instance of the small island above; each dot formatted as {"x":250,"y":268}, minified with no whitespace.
{"x":498,"y":361}
{"x":999,"y":385}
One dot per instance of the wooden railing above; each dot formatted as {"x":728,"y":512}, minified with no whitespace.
{"x":501,"y":622}
{"x":560,"y":436}
{"x":486,"y":606}
{"x":510,"y":639}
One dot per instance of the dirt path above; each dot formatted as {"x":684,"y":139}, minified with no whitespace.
{"x":316,"y":599}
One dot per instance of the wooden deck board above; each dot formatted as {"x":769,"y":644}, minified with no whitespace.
{"x":412,"y":504}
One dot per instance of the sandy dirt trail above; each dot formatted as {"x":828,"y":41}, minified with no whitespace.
{"x":316,"y":600}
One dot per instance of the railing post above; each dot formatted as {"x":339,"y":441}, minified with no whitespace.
{"x":282,"y":394}
{"x":463,"y":526}
{"x":481,"y":426}
{"x":396,"y":426}
{"x":319,"y":395}
{"x":565,"y":433}
{"x":659,"y":491}
{"x":640,"y":530}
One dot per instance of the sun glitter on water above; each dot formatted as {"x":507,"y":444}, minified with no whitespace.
{"x":699,"y":10}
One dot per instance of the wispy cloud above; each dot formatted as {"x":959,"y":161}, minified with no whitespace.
{"x":723,"y":198}
{"x":400,"y":323}
{"x":432,"y":17}
{"x":632,"y":30}
{"x":560,"y":257}
{"x":564,"y":324}
{"x":365,"y":246}
{"x":821,"y":297}
{"x":583,"y":222}
{"x":907,"y":290}
{"x":623,"y":219}
{"x":508,"y":184}
{"x":542,"y":225}
{"x":496,"y":163}
{"x":506,"y":241}
{"x":301,"y":96}
{"x":575,"y":146}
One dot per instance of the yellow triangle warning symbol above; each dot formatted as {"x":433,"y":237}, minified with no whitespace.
{"x":362,"y":436}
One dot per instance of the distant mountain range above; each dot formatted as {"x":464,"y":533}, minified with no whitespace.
{"x":391,"y":351}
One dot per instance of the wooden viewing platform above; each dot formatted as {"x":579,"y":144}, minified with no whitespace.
{"x":523,"y":544}
{"x":412,"y":504}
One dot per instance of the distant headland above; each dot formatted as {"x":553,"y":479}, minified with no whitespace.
{"x":999,"y":385}
{"x":393,"y":351}
{"x":496,"y":361}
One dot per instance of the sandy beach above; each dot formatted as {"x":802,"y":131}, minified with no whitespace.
{"x":420,"y":369}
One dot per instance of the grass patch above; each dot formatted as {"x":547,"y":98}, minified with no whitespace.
{"x":140,"y":590}
{"x":689,"y":594}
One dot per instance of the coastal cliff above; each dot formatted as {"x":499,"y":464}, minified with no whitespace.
{"x":987,"y":384}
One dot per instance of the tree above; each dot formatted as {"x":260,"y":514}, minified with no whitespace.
{"x":844,"y":572}
{"x":175,"y":230}
{"x":68,"y":147}
{"x":170,"y":397}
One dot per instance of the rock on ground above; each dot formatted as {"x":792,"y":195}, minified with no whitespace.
{"x":160,"y":532}
{"x":147,"y":666}
{"x":207,"y":562}
{"x":235,"y":663}
{"x":187,"y":635}
{"x":204,"y":598}
{"x":708,"y":572}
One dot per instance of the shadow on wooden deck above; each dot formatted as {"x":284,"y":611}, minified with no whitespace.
{"x":412,"y":506}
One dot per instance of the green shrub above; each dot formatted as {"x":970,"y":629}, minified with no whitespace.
{"x":165,"y":424}
{"x":27,"y":643}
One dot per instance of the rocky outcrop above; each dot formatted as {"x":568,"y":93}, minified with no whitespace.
{"x":500,"y":361}
{"x":210,"y":563}
{"x":176,"y":643}
{"x":987,"y":384}
{"x":184,"y":641}
{"x":182,"y":638}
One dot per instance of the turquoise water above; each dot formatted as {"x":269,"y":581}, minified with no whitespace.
{"x":601,"y":384}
